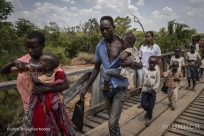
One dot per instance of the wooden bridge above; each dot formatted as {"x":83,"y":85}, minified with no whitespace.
{"x":187,"y":119}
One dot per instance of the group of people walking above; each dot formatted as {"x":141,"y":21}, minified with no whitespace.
{"x":41,"y":80}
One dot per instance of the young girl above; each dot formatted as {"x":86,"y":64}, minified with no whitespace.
{"x":151,"y":82}
{"x":192,"y":60}
{"x":48,"y":110}
{"x":173,"y":78}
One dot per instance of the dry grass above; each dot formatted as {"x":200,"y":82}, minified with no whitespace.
{"x":86,"y":57}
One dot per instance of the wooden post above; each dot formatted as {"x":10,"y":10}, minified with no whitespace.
{"x":132,"y":82}
{"x":96,"y":95}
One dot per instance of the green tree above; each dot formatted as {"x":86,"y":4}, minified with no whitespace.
{"x":5,"y":9}
{"x":170,"y":27}
{"x":176,"y":35}
{"x":24,"y":26}
{"x":122,"y":25}
{"x":53,"y":34}
{"x":52,"y":27}
{"x":91,"y":27}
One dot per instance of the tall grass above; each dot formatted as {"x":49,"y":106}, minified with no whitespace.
{"x":87,"y":57}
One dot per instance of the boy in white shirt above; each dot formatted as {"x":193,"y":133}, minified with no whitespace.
{"x":151,"y":83}
{"x":148,"y":49}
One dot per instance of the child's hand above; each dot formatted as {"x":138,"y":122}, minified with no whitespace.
{"x":35,"y":79}
{"x":38,"y":89}
{"x":176,"y":79}
{"x":20,"y":65}
{"x":152,"y":91}
{"x":125,"y":63}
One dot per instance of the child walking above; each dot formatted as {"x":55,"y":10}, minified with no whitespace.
{"x":192,"y":64}
{"x":177,"y":57}
{"x":174,"y":75}
{"x":151,"y":82}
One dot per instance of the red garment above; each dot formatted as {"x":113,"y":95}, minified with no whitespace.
{"x":39,"y":119}
{"x":52,"y":114}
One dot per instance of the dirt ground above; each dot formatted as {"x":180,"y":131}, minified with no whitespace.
{"x":71,"y":104}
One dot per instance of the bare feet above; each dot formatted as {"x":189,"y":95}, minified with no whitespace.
{"x":139,"y":106}
{"x":172,"y":107}
{"x":188,"y":87}
{"x":193,"y":88}
{"x":139,"y":91}
{"x":145,"y":116}
{"x":148,"y":122}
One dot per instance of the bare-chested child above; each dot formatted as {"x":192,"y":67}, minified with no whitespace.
{"x":128,"y":52}
{"x":174,"y":75}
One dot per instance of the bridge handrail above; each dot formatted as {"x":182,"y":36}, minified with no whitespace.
{"x":12,"y":83}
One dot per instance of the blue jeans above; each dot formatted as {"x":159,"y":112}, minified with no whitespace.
{"x":147,"y":102}
{"x":191,"y":72}
{"x":114,"y":100}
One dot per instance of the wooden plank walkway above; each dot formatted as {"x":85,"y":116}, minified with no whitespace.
{"x":132,"y":120}
{"x":191,"y":120}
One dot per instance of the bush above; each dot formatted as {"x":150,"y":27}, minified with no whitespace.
{"x":59,"y":52}
{"x":11,"y":112}
{"x":87,"y":57}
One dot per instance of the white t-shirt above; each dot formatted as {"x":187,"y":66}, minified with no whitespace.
{"x":151,"y":80}
{"x":192,"y":57}
{"x":180,"y":61}
{"x":146,"y":51}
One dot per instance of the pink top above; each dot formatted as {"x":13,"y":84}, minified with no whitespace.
{"x":25,"y":84}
